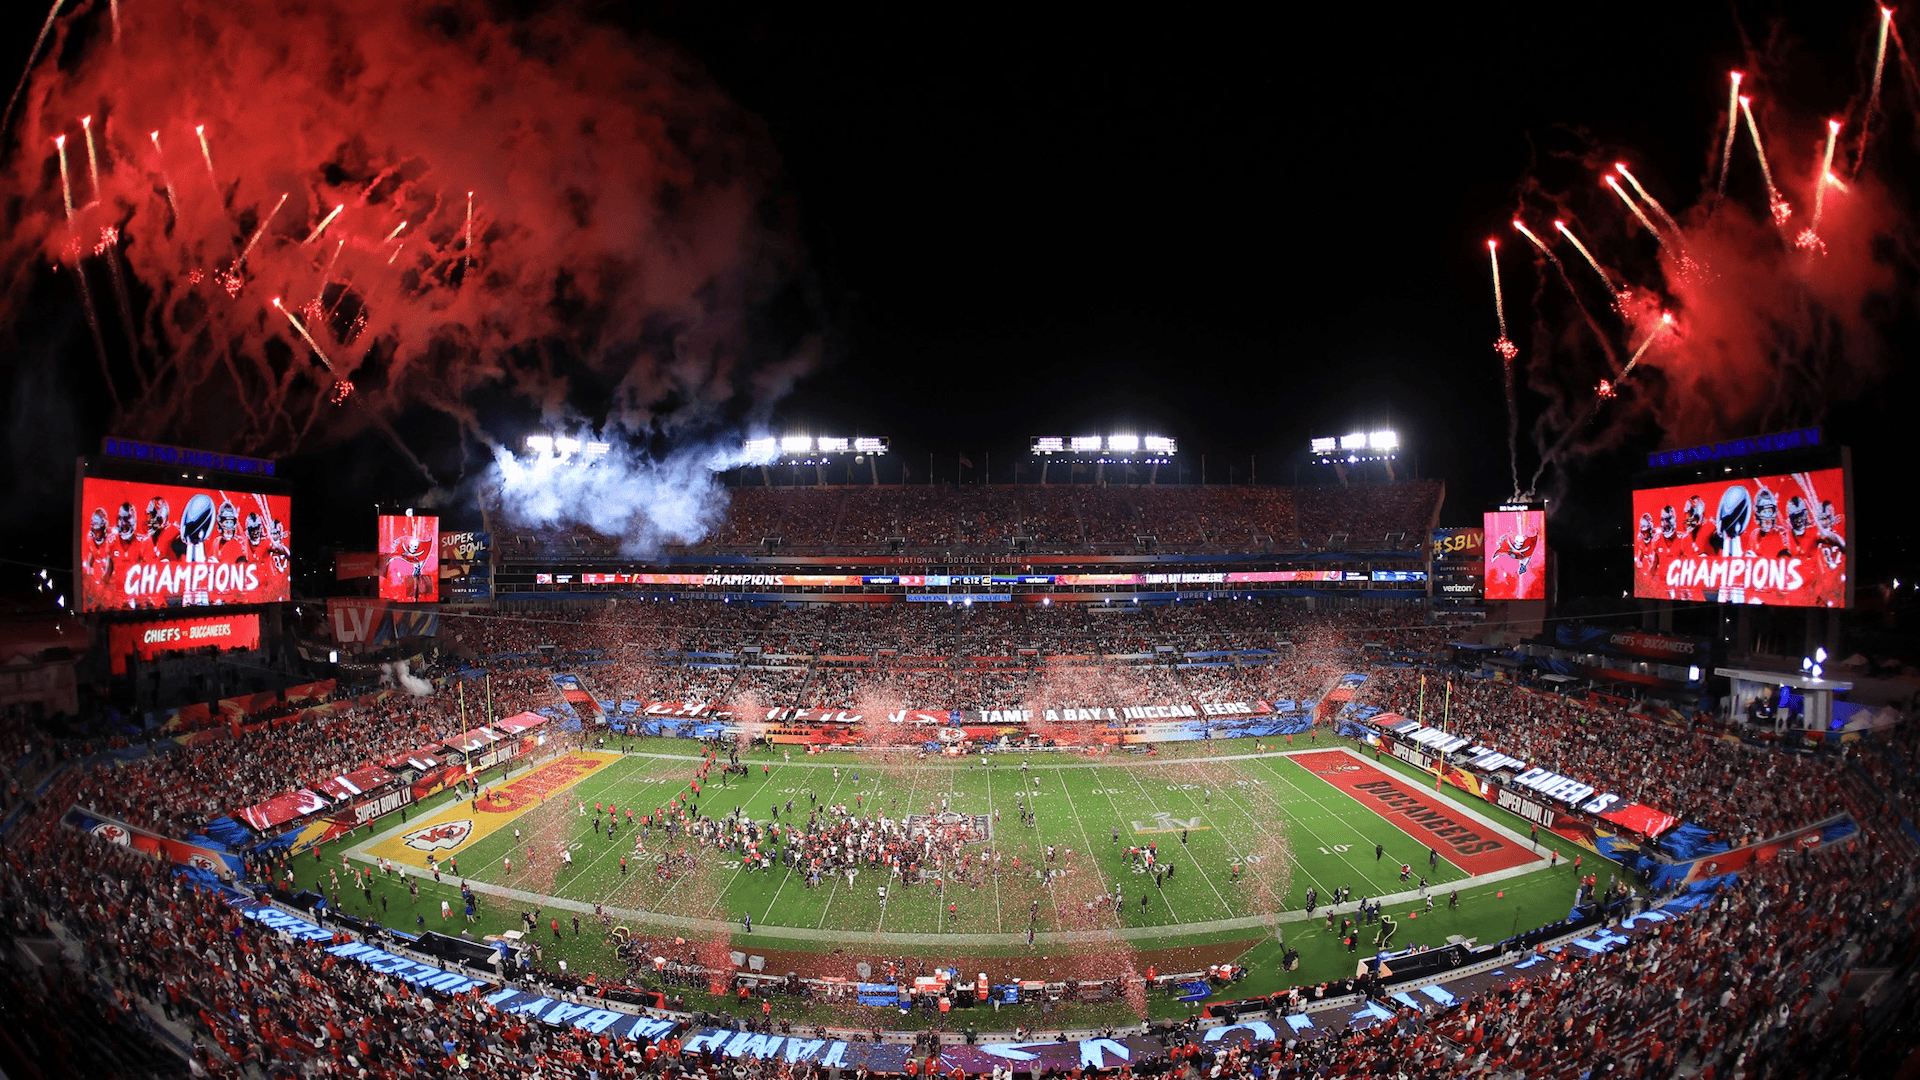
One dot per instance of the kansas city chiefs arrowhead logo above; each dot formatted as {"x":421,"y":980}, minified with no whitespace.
{"x":113,"y":834}
{"x":447,"y":834}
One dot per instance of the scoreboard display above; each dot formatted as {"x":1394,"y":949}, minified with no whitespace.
{"x":1777,"y":539}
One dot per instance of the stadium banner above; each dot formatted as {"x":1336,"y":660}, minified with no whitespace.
{"x":1707,"y":867}
{"x":1516,"y":554}
{"x":1537,"y":812}
{"x":358,"y":620}
{"x":148,"y":640}
{"x":282,"y":808}
{"x":885,"y":1058}
{"x":1775,"y":539}
{"x":350,"y":565}
{"x":407,"y":970}
{"x":1057,"y":1058}
{"x":147,"y":545}
{"x":466,"y":567}
{"x":725,"y":581}
{"x":1637,"y":644}
{"x":1467,"y":546}
{"x":557,"y":1012}
{"x":115,"y":831}
{"x":409,"y":558}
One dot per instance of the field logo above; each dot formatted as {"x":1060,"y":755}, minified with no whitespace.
{"x":447,"y":834}
{"x":1336,"y":769}
{"x":1165,"y":822}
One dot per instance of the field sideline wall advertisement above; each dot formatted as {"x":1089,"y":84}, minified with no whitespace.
{"x":148,"y":545}
{"x":1775,"y":539}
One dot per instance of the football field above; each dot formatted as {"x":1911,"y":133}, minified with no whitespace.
{"x":1245,"y":835}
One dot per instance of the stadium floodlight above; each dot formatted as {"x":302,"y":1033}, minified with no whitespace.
{"x":1355,"y":441}
{"x":1086,"y":444}
{"x":1123,"y":444}
{"x":762,"y":448}
{"x":1048,"y":444}
{"x":833,"y":444}
{"x":567,"y":444}
{"x":1383,"y":440}
{"x":870,"y":445}
{"x":597,"y":449}
{"x":796,"y":444}
{"x":1158,"y":444}
{"x":540,"y":443}
{"x":1326,"y":445}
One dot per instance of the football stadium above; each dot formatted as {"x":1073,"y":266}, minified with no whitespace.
{"x":466,"y":644}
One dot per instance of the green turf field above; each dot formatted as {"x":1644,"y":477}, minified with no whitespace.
{"x":1248,"y":811}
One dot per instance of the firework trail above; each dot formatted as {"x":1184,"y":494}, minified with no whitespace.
{"x":1635,"y":208}
{"x":1777,"y":205}
{"x":324,"y":222}
{"x":66,"y":183}
{"x":1666,"y":320}
{"x":206,"y":155}
{"x":1508,"y":352}
{"x":166,"y":178}
{"x":1733,"y":125}
{"x":33,"y":54}
{"x":1504,"y":346}
{"x":1873,"y":93}
{"x":1620,"y":298}
{"x":1672,"y":225}
{"x":1820,"y":179}
{"x":1561,"y":228}
{"x":258,"y":232}
{"x":93,"y":159}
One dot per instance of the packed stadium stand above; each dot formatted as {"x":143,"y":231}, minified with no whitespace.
{"x":1055,"y":518}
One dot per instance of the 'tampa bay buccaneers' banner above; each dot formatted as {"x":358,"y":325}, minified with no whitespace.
{"x":1746,"y":540}
{"x":148,"y":545}
{"x":147,"y":640}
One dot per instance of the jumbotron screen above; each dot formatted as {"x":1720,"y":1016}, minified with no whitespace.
{"x":148,"y":545}
{"x":1748,"y":540}
{"x":409,"y":558}
{"x":1516,"y":547}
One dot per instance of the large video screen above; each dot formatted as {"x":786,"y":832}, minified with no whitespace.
{"x":1516,"y":554}
{"x":410,"y":558}
{"x":1747,"y":540}
{"x":148,"y":545}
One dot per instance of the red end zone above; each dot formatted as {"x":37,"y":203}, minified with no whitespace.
{"x":1428,"y":818}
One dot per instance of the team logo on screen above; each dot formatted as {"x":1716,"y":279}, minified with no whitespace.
{"x":447,"y":834}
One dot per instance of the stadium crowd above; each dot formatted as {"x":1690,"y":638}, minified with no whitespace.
{"x":1054,"y":517}
{"x":1747,"y":985}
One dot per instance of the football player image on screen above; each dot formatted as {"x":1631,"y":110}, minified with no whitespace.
{"x":98,"y":555}
{"x":163,"y":537}
{"x":229,"y":546}
{"x":1694,"y":519}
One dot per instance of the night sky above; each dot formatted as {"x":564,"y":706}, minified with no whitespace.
{"x":1239,"y":232}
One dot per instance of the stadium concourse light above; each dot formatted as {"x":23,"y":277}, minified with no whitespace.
{"x":1355,"y":441}
{"x":540,"y":443}
{"x":1325,"y":445}
{"x":871,"y":444}
{"x":1123,"y":444}
{"x":1382,"y":440}
{"x":1157,"y":444}
{"x":567,"y":444}
{"x":764,"y":447}
{"x":833,"y":444}
{"x":1087,"y":444}
{"x":796,"y":444}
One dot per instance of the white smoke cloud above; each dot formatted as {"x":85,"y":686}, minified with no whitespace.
{"x":628,"y":495}
{"x":397,"y":674}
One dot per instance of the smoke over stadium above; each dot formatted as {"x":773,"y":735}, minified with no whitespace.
{"x":291,"y":226}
